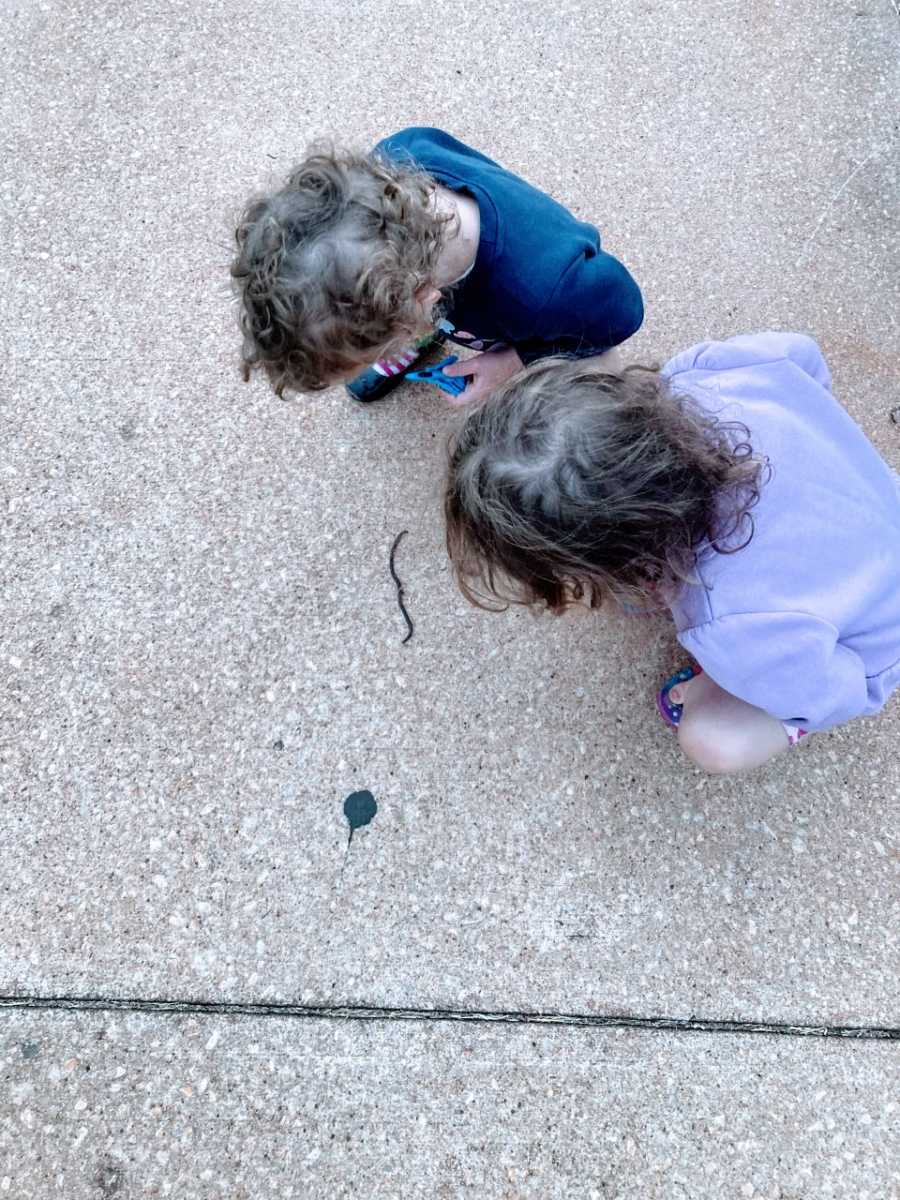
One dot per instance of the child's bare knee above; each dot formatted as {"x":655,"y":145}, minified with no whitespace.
{"x":710,"y":749}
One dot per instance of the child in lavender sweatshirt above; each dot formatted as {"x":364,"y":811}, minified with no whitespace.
{"x":730,"y":488}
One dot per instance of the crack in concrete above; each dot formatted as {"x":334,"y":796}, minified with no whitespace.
{"x":363,"y":1012}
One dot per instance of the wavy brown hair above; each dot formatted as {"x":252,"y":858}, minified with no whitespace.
{"x":571,"y":484}
{"x":327,"y":268}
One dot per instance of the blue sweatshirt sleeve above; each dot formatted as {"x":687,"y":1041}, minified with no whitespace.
{"x":790,"y":664}
{"x":595,"y":305}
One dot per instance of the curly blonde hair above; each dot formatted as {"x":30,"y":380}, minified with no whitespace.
{"x":570,"y":485}
{"x":328,"y":267}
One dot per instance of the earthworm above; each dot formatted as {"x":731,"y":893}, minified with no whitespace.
{"x":396,"y":579}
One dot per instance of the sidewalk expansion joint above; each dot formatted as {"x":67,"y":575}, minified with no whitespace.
{"x":363,"y":1012}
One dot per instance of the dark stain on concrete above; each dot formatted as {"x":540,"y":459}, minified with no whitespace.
{"x":359,"y":809}
{"x":109,"y":1177}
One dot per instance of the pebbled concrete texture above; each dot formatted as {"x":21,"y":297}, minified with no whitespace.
{"x":196,"y":572}
{"x":201,"y":647}
{"x":193,"y":1108}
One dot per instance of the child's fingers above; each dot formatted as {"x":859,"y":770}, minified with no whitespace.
{"x":473,"y":392}
{"x":468,"y":367}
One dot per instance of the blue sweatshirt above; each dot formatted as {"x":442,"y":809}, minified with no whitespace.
{"x":803,"y":622}
{"x":540,"y":283}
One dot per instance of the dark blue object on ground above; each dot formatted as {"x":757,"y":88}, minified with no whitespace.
{"x":453,"y":385}
{"x":359,"y":809}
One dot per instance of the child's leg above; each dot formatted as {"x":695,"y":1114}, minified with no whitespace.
{"x":724,"y":735}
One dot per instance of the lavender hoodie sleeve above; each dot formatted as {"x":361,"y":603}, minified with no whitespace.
{"x":751,"y":350}
{"x":791,"y":664}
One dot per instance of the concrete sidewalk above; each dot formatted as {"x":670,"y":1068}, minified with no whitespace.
{"x":190,"y":1106}
{"x":202,"y":656}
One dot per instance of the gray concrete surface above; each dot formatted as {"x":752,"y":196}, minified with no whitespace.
{"x":194,"y":1108}
{"x":195,"y":573}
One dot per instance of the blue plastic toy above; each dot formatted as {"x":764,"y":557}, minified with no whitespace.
{"x":453,"y":385}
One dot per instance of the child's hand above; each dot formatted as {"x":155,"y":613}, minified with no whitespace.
{"x":488,"y":371}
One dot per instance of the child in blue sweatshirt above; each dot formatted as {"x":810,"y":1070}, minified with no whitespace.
{"x":360,"y":258}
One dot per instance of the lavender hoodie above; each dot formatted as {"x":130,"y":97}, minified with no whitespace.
{"x":804,"y":622}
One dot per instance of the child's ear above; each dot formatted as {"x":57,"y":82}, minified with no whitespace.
{"x":428,"y":295}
